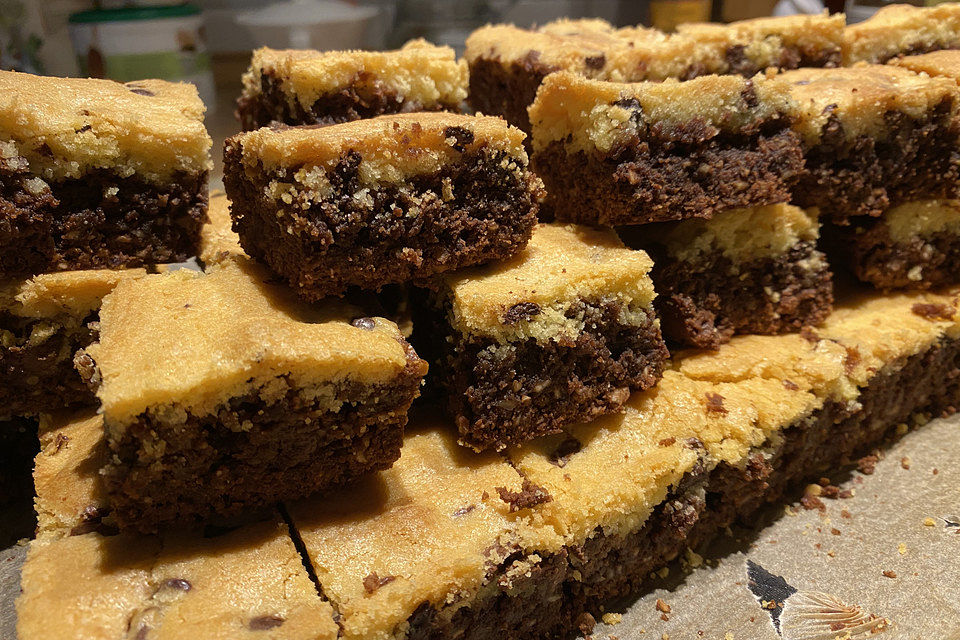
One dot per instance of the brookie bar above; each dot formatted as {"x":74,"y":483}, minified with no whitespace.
{"x":99,"y":175}
{"x":613,"y":153}
{"x":903,"y":30}
{"x":311,"y":87}
{"x":559,"y":334}
{"x":243,"y":396}
{"x":753,"y":270}
{"x":381,"y":201}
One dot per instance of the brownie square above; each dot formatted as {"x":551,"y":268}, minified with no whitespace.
{"x":874,"y":136}
{"x":312,"y":87}
{"x":903,"y":30}
{"x":242,"y":396}
{"x":752,"y":270}
{"x":617,"y":153}
{"x":381,"y":201}
{"x":562,"y":333}
{"x":44,"y":320}
{"x":99,"y":175}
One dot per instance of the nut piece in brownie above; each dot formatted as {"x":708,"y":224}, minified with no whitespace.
{"x":915,"y":245}
{"x":903,"y":30}
{"x":312,"y":87}
{"x":874,"y":136}
{"x":44,"y":320}
{"x":95,"y":174}
{"x":751,"y":270}
{"x":507,"y":63}
{"x":560,"y":334}
{"x":614,"y":153}
{"x":239,"y":395}
{"x":381,"y":201}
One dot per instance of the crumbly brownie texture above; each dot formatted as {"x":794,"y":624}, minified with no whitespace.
{"x":914,"y":246}
{"x":561,"y":334}
{"x":258,"y":398}
{"x":18,"y":445}
{"x":311,"y":87}
{"x":381,"y":201}
{"x":96,"y":174}
{"x":720,"y":436}
{"x":651,"y":152}
{"x":903,"y":30}
{"x":245,"y":584}
{"x":508,"y":64}
{"x":874,"y":137}
{"x":744,"y":271}
{"x":44,"y":320}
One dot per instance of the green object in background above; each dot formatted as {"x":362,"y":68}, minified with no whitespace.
{"x":169,"y":65}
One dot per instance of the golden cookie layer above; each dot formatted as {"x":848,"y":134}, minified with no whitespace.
{"x":902,"y":29}
{"x":561,"y":266}
{"x":420,"y":73}
{"x":922,"y":218}
{"x":938,"y":63}
{"x":68,"y":127}
{"x":218,"y":240}
{"x":73,"y":293}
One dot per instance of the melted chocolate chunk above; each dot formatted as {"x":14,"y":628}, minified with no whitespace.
{"x":263,"y":623}
{"x":529,"y":496}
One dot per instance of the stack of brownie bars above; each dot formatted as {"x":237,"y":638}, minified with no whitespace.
{"x":256,"y":448}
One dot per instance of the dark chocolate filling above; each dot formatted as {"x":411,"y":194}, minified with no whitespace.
{"x":78,"y":224}
{"x":397,"y":234}
{"x":691,"y":171}
{"x":703,"y":303}
{"x":918,"y":160}
{"x":272,"y":105}
{"x":38,"y":376}
{"x":507,"y":394}
{"x":251,"y":453}
{"x":790,"y":58}
{"x":551,"y":600}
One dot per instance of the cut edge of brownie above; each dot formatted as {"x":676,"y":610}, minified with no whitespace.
{"x":98,"y":221}
{"x":272,"y":105}
{"x":502,"y":393}
{"x":864,"y":176}
{"x":558,"y":594}
{"x":276,"y":442}
{"x":507,"y":89}
{"x":703,"y":303}
{"x":374,"y":240}
{"x":690,"y":171}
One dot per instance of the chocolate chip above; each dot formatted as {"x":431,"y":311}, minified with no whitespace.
{"x":521,"y":311}
{"x":179,"y":584}
{"x":789,"y":385}
{"x":60,"y":442}
{"x":529,"y":496}
{"x":264,"y":623}
{"x":830,"y":108}
{"x":141,"y":92}
{"x":851,"y":360}
{"x":462,"y":511}
{"x":808,"y":334}
{"x":715,"y":404}
{"x":595,"y":62}
{"x":84,"y":128}
{"x":461,"y":137}
{"x":666,"y":442}
{"x":367,"y":324}
{"x":373,"y":582}
{"x":933,"y":311}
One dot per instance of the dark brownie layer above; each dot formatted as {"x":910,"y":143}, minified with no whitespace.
{"x":874,"y":257}
{"x":692,"y":171}
{"x":251,"y":454}
{"x":36,"y":363}
{"x":507,"y":393}
{"x":273,"y":106}
{"x":99,"y":221}
{"x":398,"y":234}
{"x":702,"y":304}
{"x":790,"y":58}
{"x":566,"y":591}
{"x":845,"y":177}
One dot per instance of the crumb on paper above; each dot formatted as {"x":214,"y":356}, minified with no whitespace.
{"x":728,"y":636}
{"x":905,"y":462}
{"x":929,"y":522}
{"x":611,"y":618}
{"x":662,"y":606}
{"x":832,"y":553}
{"x":845,"y":514}
{"x":889,"y":574}
{"x":902,"y":548}
{"x":789,"y":510}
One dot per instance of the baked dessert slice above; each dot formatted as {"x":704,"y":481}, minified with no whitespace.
{"x":560,"y":334}
{"x":614,"y":153}
{"x":44,"y":320}
{"x":218,"y":241}
{"x":508,"y":64}
{"x":903,"y":30}
{"x":753,"y":270}
{"x":242,"y":396}
{"x":874,"y":137}
{"x":311,"y":87}
{"x":915,"y":245}
{"x":380,"y":201}
{"x":95,"y":174}
{"x":944,"y":63}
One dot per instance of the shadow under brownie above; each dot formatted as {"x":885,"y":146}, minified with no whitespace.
{"x":616,"y":153}
{"x":242,"y":397}
{"x":753,"y":270}
{"x":381,"y":201}
{"x":296,"y":87}
{"x":562,"y":333}
{"x":99,"y":175}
